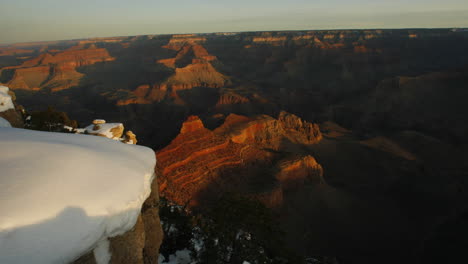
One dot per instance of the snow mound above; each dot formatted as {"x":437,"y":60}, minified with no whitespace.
{"x":62,"y":195}
{"x":5,"y":99}
{"x":4,"y":122}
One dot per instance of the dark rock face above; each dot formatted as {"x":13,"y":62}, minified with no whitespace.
{"x":14,"y":117}
{"x":432,"y":103}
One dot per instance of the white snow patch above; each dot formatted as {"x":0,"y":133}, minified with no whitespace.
{"x":180,"y":257}
{"x":61,"y":194}
{"x":4,"y":122}
{"x":172,"y":230}
{"x":245,"y":262}
{"x":197,"y":243}
{"x":5,"y":99}
{"x":102,"y":254}
{"x":104,"y":129}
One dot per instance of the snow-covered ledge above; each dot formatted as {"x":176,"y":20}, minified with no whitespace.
{"x":62,"y":195}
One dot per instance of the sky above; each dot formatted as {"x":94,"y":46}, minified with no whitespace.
{"x":41,"y":20}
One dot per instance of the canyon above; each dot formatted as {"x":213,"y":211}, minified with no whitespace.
{"x":354,"y":138}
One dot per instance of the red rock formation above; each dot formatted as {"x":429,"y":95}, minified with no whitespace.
{"x":231,"y":99}
{"x":192,"y":69}
{"x":269,"y":132}
{"x":198,"y":158}
{"x":299,"y":131}
{"x":56,"y":72}
{"x":297,"y":171}
{"x":195,"y":157}
{"x":178,"y":41}
{"x":193,"y":75}
{"x":276,"y":41}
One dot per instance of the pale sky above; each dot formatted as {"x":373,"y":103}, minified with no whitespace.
{"x":40,"y":20}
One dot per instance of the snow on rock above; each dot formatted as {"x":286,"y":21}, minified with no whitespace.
{"x":4,"y":122}
{"x":6,"y":102}
{"x":180,"y":257}
{"x":62,"y":195}
{"x":101,"y":128}
{"x":99,"y":121}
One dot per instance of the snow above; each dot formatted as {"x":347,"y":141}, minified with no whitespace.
{"x":245,"y":262}
{"x":180,"y":257}
{"x":104,"y":129}
{"x":4,"y":122}
{"x":5,"y":99}
{"x":62,"y":195}
{"x":101,"y":252}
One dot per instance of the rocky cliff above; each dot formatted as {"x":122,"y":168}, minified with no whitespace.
{"x":200,"y":162}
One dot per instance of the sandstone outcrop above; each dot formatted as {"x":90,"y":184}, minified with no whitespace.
{"x":196,"y":157}
{"x":201,"y":162}
{"x":299,"y":131}
{"x":269,"y":132}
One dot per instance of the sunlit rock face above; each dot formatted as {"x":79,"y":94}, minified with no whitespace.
{"x":55,"y":71}
{"x":242,"y":146}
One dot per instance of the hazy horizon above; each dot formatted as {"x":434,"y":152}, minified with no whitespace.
{"x":51,"y":20}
